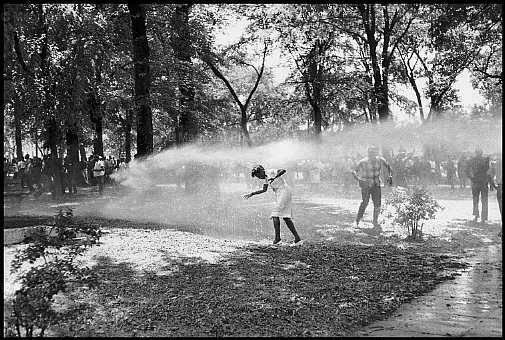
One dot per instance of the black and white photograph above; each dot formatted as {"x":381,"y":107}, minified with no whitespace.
{"x":252,"y":169}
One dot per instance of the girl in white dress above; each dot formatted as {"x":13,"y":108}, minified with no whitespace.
{"x":274,"y":179}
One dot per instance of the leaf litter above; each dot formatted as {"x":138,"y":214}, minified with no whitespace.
{"x":169,"y":283}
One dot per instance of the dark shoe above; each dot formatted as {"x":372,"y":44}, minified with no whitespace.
{"x":277,"y":241}
{"x":298,"y":240}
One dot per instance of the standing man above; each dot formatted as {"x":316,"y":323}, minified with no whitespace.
{"x":451,"y":172}
{"x":462,"y":171}
{"x":70,"y":170}
{"x":477,"y":171}
{"x":27,"y":173}
{"x":368,"y":173}
{"x":99,"y":172}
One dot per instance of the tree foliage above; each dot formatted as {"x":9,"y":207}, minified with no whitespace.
{"x":68,"y":65}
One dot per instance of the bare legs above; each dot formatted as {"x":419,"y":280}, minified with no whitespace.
{"x":289,"y":224}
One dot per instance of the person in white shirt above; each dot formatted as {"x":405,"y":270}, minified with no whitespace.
{"x":274,"y":179}
{"x":99,"y":172}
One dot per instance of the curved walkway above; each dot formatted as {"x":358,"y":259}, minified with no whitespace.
{"x":469,"y":306}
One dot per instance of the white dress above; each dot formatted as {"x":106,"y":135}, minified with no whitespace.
{"x":283,"y":195}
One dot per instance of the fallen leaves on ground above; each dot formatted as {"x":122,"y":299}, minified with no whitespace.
{"x":317,"y":289}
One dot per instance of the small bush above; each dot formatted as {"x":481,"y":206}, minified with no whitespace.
{"x":32,"y":305}
{"x":409,"y":210}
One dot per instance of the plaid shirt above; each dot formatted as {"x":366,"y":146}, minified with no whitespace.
{"x":369,"y":169}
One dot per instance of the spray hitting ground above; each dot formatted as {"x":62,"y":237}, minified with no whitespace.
{"x":200,"y":188}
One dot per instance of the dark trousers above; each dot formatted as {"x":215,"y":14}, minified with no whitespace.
{"x":375,"y":193}
{"x":480,"y":190}
{"x":498,"y":197}
{"x":70,"y":180}
{"x":100,"y":183}
{"x":26,"y":178}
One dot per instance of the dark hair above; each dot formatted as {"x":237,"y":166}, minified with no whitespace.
{"x":257,"y":169}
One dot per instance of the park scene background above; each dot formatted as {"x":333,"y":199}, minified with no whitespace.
{"x":188,"y":97}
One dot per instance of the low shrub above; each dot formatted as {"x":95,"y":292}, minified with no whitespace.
{"x":411,"y":209}
{"x":55,"y":250}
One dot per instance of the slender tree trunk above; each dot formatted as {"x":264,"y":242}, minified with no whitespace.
{"x":145,"y":143}
{"x":53,"y":132}
{"x":17,"y":128}
{"x":413,"y":83}
{"x":383,"y":99}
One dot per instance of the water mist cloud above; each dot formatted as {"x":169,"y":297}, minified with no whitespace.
{"x":152,"y":194}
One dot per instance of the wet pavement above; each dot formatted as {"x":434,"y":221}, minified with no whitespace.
{"x":468,"y":306}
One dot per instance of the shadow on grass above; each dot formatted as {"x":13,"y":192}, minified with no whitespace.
{"x":319,"y":289}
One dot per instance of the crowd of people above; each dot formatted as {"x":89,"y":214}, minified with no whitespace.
{"x":39,"y":175}
{"x":429,"y":170}
{"x":482,"y":174}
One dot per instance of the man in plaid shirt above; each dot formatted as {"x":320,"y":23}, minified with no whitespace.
{"x":368,"y":173}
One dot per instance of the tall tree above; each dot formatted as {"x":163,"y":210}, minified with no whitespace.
{"x":142,"y":80}
{"x":187,"y":122}
{"x":244,"y":117}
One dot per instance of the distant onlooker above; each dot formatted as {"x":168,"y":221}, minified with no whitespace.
{"x":451,"y":172}
{"x":462,"y":164}
{"x":26,"y":176}
{"x":15,"y":168}
{"x":6,"y":168}
{"x":36,"y":171}
{"x":99,"y":172}
{"x":477,"y":171}
{"x":46,"y":176}
{"x":70,"y":170}
{"x":21,"y":169}
{"x":91,"y":180}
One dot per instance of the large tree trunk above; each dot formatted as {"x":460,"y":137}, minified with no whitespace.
{"x":74,"y":172}
{"x":72,"y":140}
{"x":187,"y":127}
{"x":53,"y":128}
{"x":95,"y":115}
{"x":145,"y":142}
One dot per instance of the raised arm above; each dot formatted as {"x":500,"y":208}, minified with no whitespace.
{"x":280,"y":172}
{"x":265,"y":187}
